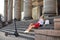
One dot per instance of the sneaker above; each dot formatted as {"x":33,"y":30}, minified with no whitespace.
{"x":26,"y":31}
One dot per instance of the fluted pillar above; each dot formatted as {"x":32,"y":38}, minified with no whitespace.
{"x":10,"y":10}
{"x":27,"y":9}
{"x":17,"y":9}
{"x":49,"y":7}
{"x":5,"y":10}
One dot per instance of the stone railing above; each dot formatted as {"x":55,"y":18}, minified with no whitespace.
{"x":57,"y":23}
{"x":47,"y":35}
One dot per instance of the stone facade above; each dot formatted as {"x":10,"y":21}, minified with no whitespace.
{"x":27,"y":9}
{"x":10,"y":10}
{"x":17,"y":9}
{"x":50,"y":7}
{"x":30,"y":8}
{"x":5,"y":9}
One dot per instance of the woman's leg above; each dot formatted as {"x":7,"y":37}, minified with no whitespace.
{"x":30,"y":24}
{"x":29,"y":28}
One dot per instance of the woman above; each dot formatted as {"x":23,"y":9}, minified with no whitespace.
{"x":36,"y":25}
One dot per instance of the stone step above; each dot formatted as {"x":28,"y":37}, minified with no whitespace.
{"x":18,"y":26}
{"x":22,"y":26}
{"x":1,"y":25}
{"x":47,"y":27}
{"x":22,"y":29}
{"x":12,"y":37}
{"x":24,"y":35}
{"x":19,"y":31}
{"x":25,"y":27}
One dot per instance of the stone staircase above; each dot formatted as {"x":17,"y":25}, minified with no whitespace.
{"x":21,"y":27}
{"x":0,"y":24}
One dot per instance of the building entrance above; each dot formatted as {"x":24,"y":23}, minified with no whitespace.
{"x":41,"y":8}
{"x":58,"y":7}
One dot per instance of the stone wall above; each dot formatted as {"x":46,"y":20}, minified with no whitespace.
{"x":35,"y":13}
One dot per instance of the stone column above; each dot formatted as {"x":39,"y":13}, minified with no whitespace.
{"x":49,"y":7}
{"x":17,"y":9}
{"x":27,"y":9}
{"x":10,"y":10}
{"x":5,"y":9}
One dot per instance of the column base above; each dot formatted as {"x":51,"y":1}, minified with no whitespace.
{"x":17,"y":19}
{"x":27,"y":18}
{"x":9,"y":22}
{"x":50,"y":14}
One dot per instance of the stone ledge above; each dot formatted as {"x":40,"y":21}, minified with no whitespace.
{"x":48,"y":32}
{"x":57,"y":19}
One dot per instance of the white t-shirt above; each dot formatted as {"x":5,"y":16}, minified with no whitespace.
{"x":41,"y":21}
{"x":46,"y":21}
